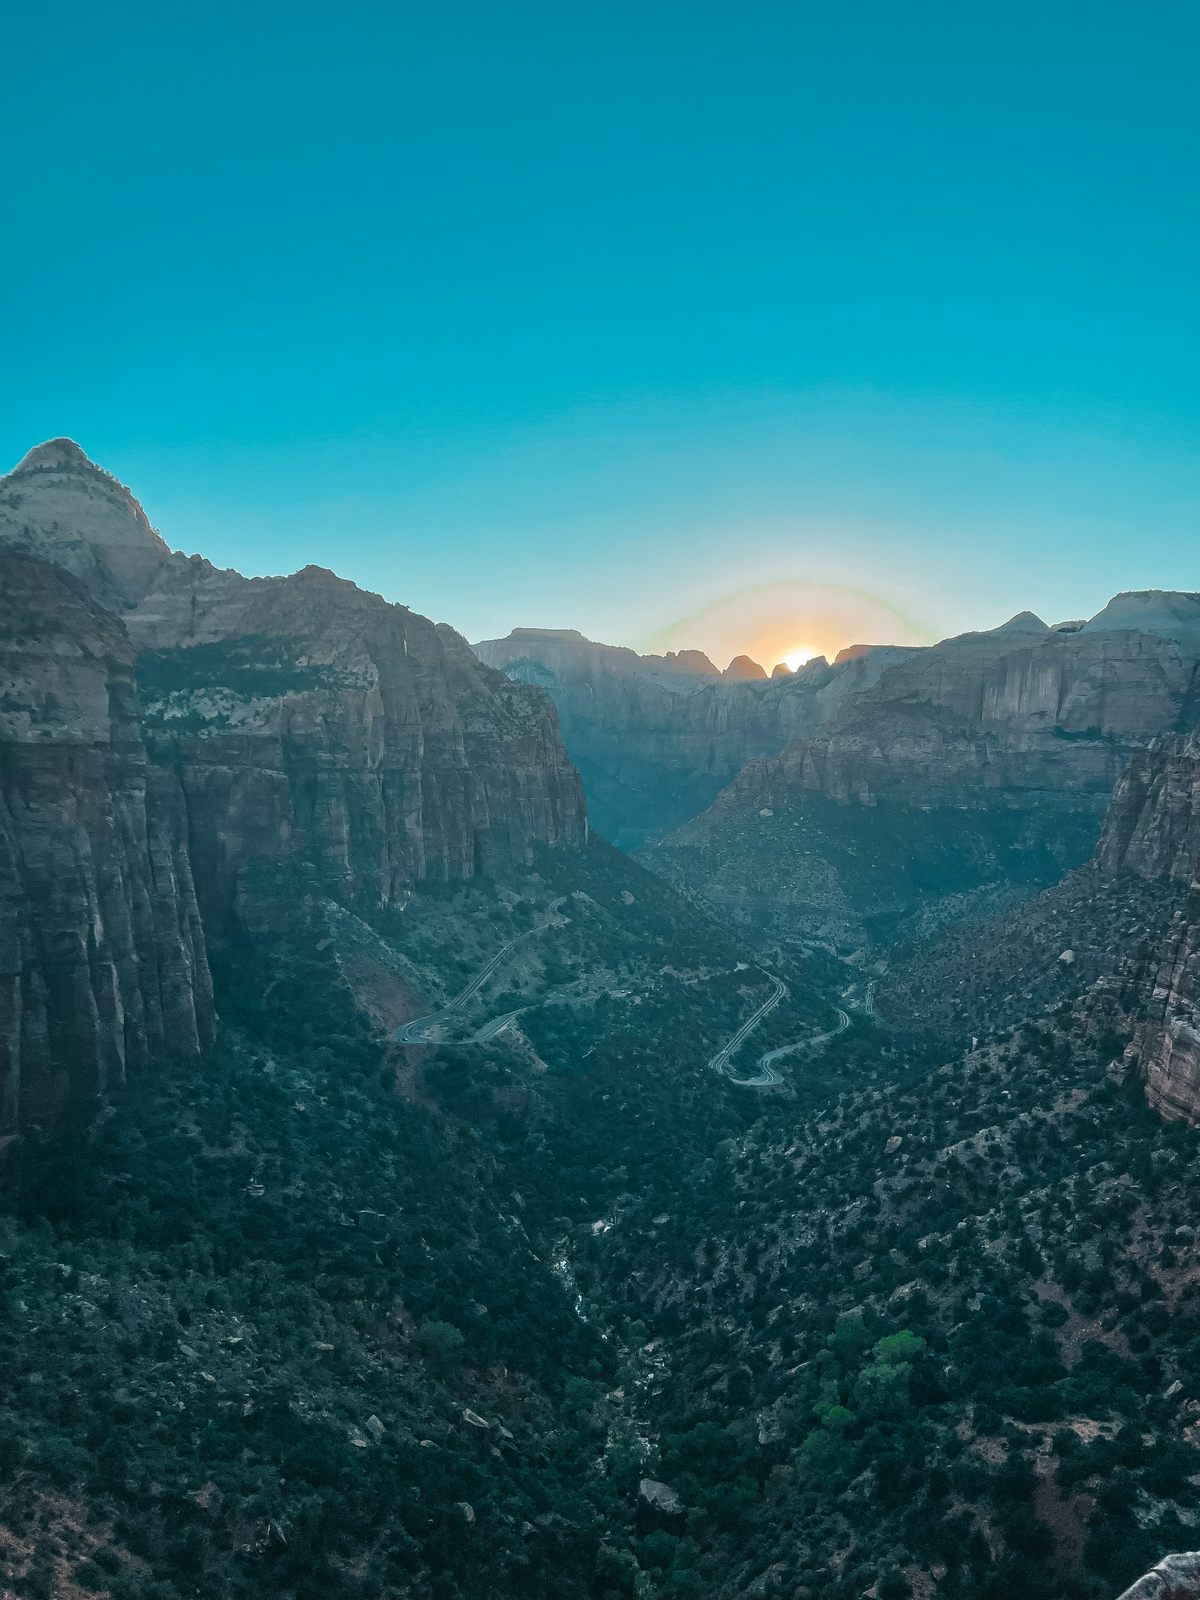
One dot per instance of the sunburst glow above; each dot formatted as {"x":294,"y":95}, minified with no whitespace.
{"x":790,"y":621}
{"x":798,"y":657}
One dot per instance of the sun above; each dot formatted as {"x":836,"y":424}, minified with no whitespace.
{"x":797,"y":657}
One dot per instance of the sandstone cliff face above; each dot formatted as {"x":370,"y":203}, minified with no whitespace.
{"x":102,"y":957}
{"x":315,"y":726}
{"x":60,"y":506}
{"x":310,"y":725}
{"x":1153,"y":824}
{"x":267,"y":740}
{"x":967,"y":775}
{"x":657,"y":736}
{"x":1010,"y":710}
{"x":1153,"y":829}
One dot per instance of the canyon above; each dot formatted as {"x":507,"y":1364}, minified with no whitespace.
{"x":657,"y":737}
{"x":381,"y":1215}
{"x":190,"y":754}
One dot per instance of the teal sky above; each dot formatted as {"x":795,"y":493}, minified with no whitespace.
{"x":595,"y":316}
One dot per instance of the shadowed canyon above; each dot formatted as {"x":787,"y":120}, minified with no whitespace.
{"x":535,"y":1119}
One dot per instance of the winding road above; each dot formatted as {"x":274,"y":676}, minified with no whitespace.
{"x":497,"y":1025}
{"x":720,"y":1062}
{"x":422,"y":1030}
{"x":426,"y":1030}
{"x":766,"y":1075}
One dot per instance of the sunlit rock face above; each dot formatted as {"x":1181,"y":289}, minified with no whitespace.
{"x":743,"y":670}
{"x":102,"y":955}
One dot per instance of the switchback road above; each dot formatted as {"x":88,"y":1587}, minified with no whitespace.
{"x":423,"y":1030}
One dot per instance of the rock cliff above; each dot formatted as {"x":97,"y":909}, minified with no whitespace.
{"x":265,"y":739}
{"x":60,"y":506}
{"x":1153,"y":830}
{"x":656,"y":737}
{"x":315,"y":726}
{"x":102,"y":957}
{"x":966,"y":774}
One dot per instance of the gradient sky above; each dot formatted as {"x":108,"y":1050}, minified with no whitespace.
{"x":677,"y":323}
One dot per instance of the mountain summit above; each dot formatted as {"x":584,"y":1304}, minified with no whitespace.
{"x":57,"y":504}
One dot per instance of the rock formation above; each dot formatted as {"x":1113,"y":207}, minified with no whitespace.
{"x":1153,"y":830}
{"x":286,"y":736}
{"x":656,"y":737}
{"x":102,"y":957}
{"x":744,"y":670}
{"x":59,"y":505}
{"x":1175,"y":1577}
{"x":981,"y":766}
{"x":326,"y":728}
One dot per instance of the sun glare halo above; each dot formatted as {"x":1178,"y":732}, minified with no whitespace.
{"x":798,"y":657}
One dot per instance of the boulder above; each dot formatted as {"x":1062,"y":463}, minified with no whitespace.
{"x":658,"y":1506}
{"x":1176,"y":1577}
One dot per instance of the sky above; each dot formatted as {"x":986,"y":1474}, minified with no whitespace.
{"x":757,"y":326}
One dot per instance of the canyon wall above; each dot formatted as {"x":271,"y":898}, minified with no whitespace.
{"x":316,"y":727}
{"x":656,"y":737}
{"x":1153,"y":830}
{"x":102,"y":956}
{"x":967,"y":775}
{"x":190,"y":754}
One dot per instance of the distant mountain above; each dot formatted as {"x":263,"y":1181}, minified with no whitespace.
{"x":656,"y":737}
{"x":1118,"y":938}
{"x":964,"y":775}
{"x":408,"y":1193}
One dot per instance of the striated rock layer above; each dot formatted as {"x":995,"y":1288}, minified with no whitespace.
{"x":269,"y":740}
{"x":657,"y":736}
{"x":969,"y":772}
{"x":1153,"y":830}
{"x":313,"y":725}
{"x":102,"y":956}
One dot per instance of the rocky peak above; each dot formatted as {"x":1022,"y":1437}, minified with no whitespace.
{"x":1175,"y":613}
{"x":1023,"y":622}
{"x":60,"y":506}
{"x":744,"y":670}
{"x":55,"y":453}
{"x":691,"y":661}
